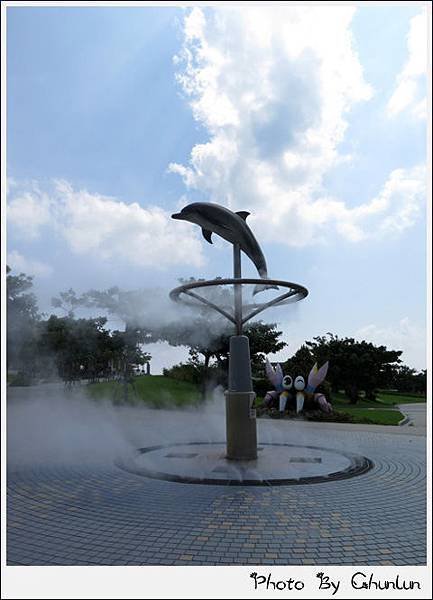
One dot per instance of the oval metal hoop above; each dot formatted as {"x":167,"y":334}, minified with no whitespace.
{"x":296,"y":292}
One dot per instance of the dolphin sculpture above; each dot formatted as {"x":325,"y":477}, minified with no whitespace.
{"x":231,"y":226}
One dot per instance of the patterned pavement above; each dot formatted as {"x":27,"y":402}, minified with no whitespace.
{"x":100,"y":515}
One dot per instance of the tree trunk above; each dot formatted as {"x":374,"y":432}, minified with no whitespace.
{"x":204,"y":380}
{"x":352,"y":393}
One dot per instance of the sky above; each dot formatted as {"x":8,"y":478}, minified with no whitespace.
{"x":311,"y":118}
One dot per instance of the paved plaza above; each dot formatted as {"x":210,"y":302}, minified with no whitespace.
{"x":77,"y":512}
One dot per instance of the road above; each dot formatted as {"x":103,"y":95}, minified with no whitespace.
{"x":417,"y":414}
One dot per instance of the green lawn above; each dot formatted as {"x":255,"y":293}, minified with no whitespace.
{"x":154,"y":390}
{"x":365,"y":411}
{"x":392,"y":399}
{"x":374,"y":416}
{"x":163,"y":392}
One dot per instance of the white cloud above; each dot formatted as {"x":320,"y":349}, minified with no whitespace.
{"x":21,"y":264}
{"x":105,"y":227}
{"x":29,"y":209}
{"x":409,"y":91}
{"x":273,"y":88}
{"x":395,"y":207}
{"x":404,"y":335}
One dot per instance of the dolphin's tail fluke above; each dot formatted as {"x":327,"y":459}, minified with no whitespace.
{"x":261,"y":287}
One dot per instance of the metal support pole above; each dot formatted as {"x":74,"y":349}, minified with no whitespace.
{"x":237,"y":274}
{"x":240,"y":414}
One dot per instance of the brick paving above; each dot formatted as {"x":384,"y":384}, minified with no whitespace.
{"x":101,"y":515}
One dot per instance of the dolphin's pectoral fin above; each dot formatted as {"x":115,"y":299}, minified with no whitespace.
{"x":243,"y":214}
{"x":207,"y":234}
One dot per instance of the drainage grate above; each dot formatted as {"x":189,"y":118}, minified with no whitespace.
{"x":303,"y":459}
{"x":181,"y":455}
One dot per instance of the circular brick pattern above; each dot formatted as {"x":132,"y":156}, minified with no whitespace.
{"x":101,"y":515}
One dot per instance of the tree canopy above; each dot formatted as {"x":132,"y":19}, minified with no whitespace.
{"x":84,"y":347}
{"x":405,"y":379}
{"x":354,"y":365}
{"x":22,"y":318}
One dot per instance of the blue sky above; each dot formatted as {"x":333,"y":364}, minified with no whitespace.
{"x":311,"y":119}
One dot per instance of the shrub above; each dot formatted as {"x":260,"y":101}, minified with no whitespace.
{"x":261,"y":385}
{"x":334,"y":417}
{"x":194,"y":373}
{"x":184,"y":372}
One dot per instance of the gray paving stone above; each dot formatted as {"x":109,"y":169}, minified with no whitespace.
{"x":157,"y":522}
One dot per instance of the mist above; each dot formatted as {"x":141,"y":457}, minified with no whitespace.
{"x":48,"y":425}
{"x":51,"y":424}
{"x":153,"y":309}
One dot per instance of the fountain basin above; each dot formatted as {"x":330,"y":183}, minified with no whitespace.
{"x":276,"y":464}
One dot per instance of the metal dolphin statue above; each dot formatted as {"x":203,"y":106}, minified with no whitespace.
{"x":231,"y":226}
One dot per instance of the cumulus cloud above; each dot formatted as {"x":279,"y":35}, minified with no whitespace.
{"x":29,"y":208}
{"x":409,"y":92}
{"x":395,"y":207}
{"x":21,"y":264}
{"x":404,"y":335}
{"x":105,"y":227}
{"x":273,"y":88}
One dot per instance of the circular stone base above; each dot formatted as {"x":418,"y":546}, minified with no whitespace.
{"x":276,"y":464}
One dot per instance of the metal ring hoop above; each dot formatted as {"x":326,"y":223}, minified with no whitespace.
{"x":296,"y":292}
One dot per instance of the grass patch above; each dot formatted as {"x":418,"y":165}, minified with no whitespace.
{"x":393,"y":399}
{"x":156,"y":391}
{"x":367,"y":411}
{"x":340,"y":400}
{"x":374,"y":416}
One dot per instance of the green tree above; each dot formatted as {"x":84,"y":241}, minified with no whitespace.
{"x":264,"y":339}
{"x":22,"y":320}
{"x":300,"y":363}
{"x":354,"y":366}
{"x":68,"y":302}
{"x":406,"y":379}
{"x":204,"y":337}
{"x":211,"y":340}
{"x":128,"y":354}
{"x":79,"y":347}
{"x":125,"y":305}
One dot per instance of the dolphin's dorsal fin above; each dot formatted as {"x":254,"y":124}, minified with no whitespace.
{"x":207,"y":234}
{"x":243,"y":214}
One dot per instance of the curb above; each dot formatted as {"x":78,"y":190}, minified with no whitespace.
{"x":406,"y":419}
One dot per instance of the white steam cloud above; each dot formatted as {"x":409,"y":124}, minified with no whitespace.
{"x":50,"y":426}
